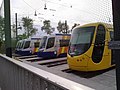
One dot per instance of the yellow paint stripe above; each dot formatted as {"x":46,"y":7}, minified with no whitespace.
{"x":63,"y":50}
{"x":36,"y":49}
{"x":64,"y":37}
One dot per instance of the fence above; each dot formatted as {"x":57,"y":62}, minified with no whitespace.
{"x":15,"y":75}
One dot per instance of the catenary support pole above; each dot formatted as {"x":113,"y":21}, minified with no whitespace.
{"x":7,"y":28}
{"x":116,"y":23}
{"x":16,"y":27}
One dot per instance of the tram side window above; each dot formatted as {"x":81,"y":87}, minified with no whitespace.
{"x":112,"y":35}
{"x":99,"y":44}
{"x":64,"y":43}
{"x":50,"y":42}
{"x":36,"y":44}
{"x":100,"y":37}
{"x":27,"y":44}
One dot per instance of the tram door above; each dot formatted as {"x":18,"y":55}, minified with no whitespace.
{"x":99,"y":44}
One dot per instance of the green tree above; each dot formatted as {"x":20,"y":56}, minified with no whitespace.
{"x":23,"y":36}
{"x":47,"y":27}
{"x":63,"y":27}
{"x":59,"y":27}
{"x":75,"y":24}
{"x":2,"y":33}
{"x":28,"y":26}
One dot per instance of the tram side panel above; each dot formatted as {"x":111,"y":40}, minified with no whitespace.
{"x":105,"y":61}
{"x":63,"y":46}
{"x":35,"y":46}
{"x":54,"y":46}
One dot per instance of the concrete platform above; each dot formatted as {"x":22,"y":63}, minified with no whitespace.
{"x":102,"y":80}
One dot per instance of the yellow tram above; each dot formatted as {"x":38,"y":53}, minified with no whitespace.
{"x":88,"y":50}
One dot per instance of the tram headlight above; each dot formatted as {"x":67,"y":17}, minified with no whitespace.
{"x":30,"y":51}
{"x":55,"y":52}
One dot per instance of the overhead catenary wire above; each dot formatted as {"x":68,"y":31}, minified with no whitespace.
{"x":93,"y":16}
{"x":28,"y":5}
{"x":46,"y":1}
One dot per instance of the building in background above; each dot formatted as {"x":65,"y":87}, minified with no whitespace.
{"x":2,"y":9}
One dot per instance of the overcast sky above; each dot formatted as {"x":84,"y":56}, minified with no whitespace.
{"x":74,"y":11}
{"x":79,"y":11}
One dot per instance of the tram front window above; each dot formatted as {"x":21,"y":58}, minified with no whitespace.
{"x":81,"y":40}
{"x":50,"y":42}
{"x":27,"y":44}
{"x":43,"y":42}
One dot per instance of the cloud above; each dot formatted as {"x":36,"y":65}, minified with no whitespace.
{"x":74,"y":11}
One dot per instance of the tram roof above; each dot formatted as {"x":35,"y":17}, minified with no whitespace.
{"x":57,"y":34}
{"x":107,"y":25}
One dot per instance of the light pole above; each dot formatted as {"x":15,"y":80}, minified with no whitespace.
{"x":16,"y":26}
{"x":116,"y":23}
{"x":7,"y":28}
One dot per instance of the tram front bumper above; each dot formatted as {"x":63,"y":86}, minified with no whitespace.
{"x":78,"y":62}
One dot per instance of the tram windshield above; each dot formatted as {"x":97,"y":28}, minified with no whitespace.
{"x":43,"y":42}
{"x":18,"y":44}
{"x":81,"y":40}
{"x":27,"y":44}
{"x":50,"y":42}
{"x":21,"y":45}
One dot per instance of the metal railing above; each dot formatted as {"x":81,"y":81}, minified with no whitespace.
{"x":15,"y":75}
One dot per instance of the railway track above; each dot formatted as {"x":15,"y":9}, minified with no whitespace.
{"x":59,"y":66}
{"x":40,"y":61}
{"x":55,"y":63}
